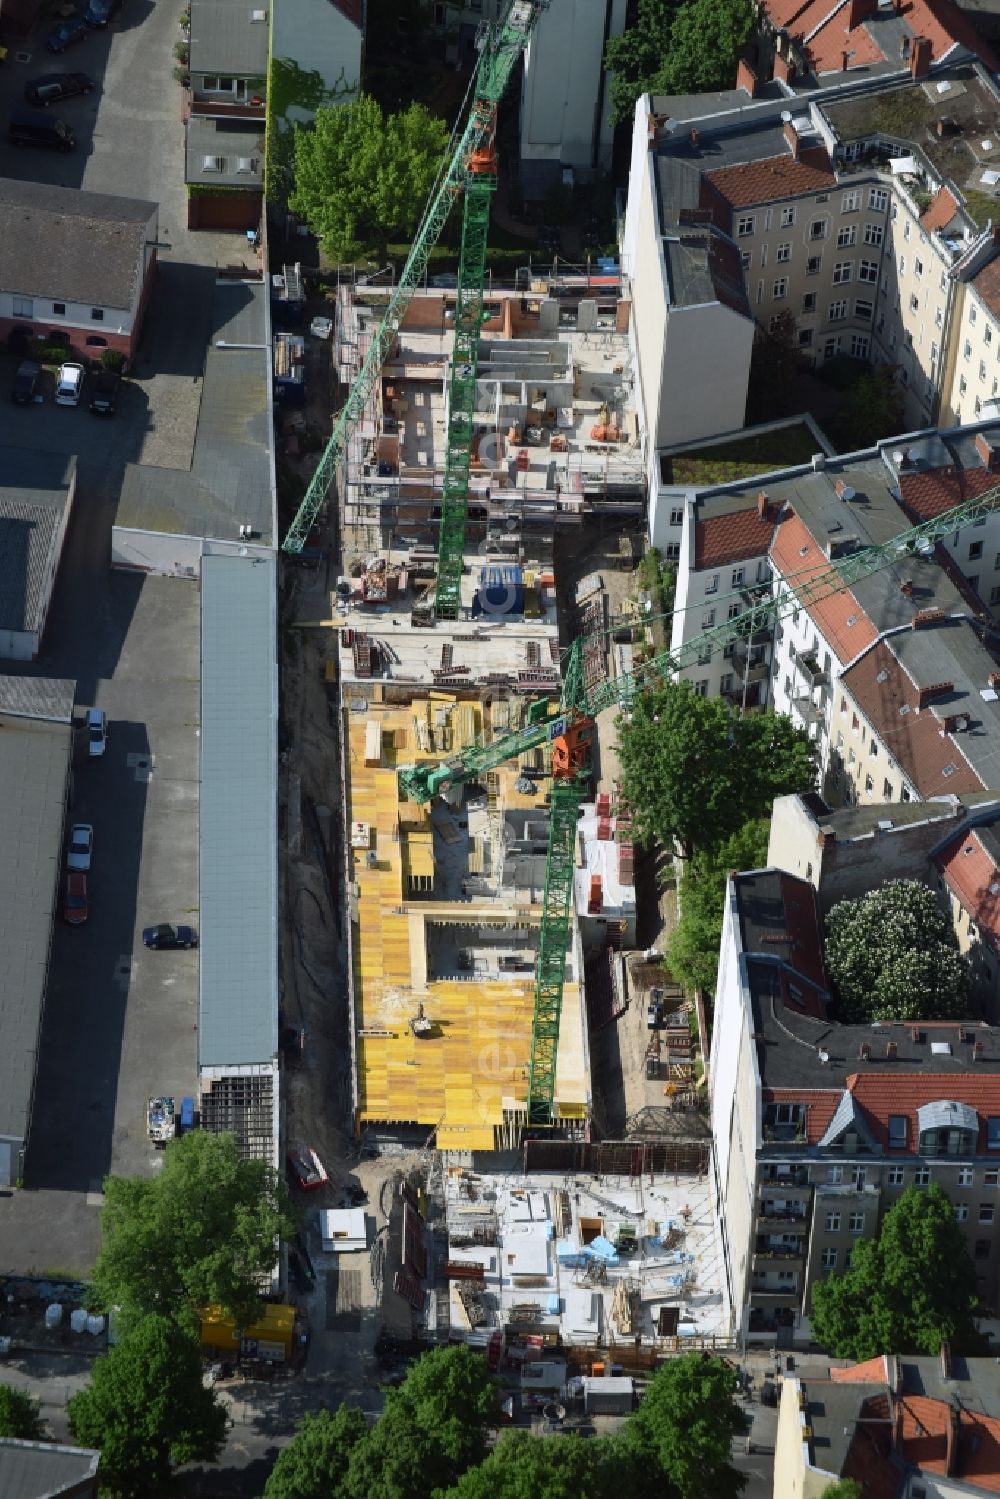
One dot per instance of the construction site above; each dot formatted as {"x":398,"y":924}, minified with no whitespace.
{"x":490,"y":912}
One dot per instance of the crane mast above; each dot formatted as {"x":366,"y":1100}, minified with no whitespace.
{"x":503,"y":42}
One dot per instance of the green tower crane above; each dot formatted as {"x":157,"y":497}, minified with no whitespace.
{"x":503,"y":42}
{"x":568,"y":728}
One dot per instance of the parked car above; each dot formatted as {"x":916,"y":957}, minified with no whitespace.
{"x":33,"y":127}
{"x":66,"y":35}
{"x":99,"y":12}
{"x":306,"y":1168}
{"x":27,"y":383}
{"x":69,"y":384}
{"x":76,"y":907}
{"x":104,"y":392}
{"x":654,"y":1016}
{"x":81,"y":846}
{"x":51,"y":87}
{"x":97,"y":732}
{"x":166,"y":936}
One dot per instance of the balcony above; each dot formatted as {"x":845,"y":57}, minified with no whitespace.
{"x":762,"y":1292}
{"x":808,"y":666}
{"x":209,"y":107}
{"x":784,"y":1254}
{"x":771,"y":1180}
{"x":793,"y":1215}
{"x":808,"y":711}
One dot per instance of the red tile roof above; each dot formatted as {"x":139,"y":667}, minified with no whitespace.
{"x":971,"y":875}
{"x":979,"y":1451}
{"x":774,"y":177}
{"x":352,"y":9}
{"x":840,"y":619}
{"x":987,"y":284}
{"x":929,"y":494}
{"x":913,"y":739}
{"x":820,"y":1105}
{"x":869,"y":1458}
{"x":942,"y":210}
{"x":880,"y":1094}
{"x":940,"y":21}
{"x":721,"y":539}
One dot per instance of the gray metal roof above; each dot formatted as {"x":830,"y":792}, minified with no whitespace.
{"x":43,"y":1470}
{"x":34,"y":764}
{"x":226,"y":39}
{"x":38,"y":697}
{"x":72,"y":246}
{"x":847,"y":1116}
{"x":231,"y":479}
{"x":34,"y":492}
{"x":238,"y":999}
{"x":945,"y":1114}
{"x":237,"y":144}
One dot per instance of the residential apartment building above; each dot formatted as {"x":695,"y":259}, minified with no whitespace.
{"x":861,"y":209}
{"x":818,"y":1127}
{"x":910,"y":1427}
{"x":722,"y":569}
{"x":950,"y":844}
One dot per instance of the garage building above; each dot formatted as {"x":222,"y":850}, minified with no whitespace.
{"x":36,"y":496}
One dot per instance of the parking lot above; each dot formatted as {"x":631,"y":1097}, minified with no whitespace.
{"x":120,"y":1021}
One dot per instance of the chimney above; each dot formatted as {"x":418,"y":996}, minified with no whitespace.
{"x":897,"y":1425}
{"x":904,"y":48}
{"x":977,"y":1050}
{"x":783,"y":70}
{"x":927,"y":695}
{"x":920,"y":57}
{"x":792,"y":137}
{"x":906,"y":587}
{"x":952,"y":1441}
{"x":746,"y":78}
{"x":694,"y":136}
{"x":926,"y":617}
{"x":845,"y":61}
{"x":993,"y":680}
{"x":987,"y":452}
{"x":946,"y":1359}
{"x":762,"y":504}
{"x":825,"y":837}
{"x":860,"y":10}
{"x":890,"y":1051}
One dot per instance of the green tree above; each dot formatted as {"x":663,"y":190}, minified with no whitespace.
{"x":693,"y":771}
{"x":522,"y":1466}
{"x":203,"y":1232}
{"x":677,"y":49}
{"x":147,"y":1410}
{"x":682,"y":1433}
{"x":908,"y":1291}
{"x":872,"y":409}
{"x":892,"y":955}
{"x":847,"y":1488}
{"x":693,"y":948}
{"x":775,"y":385}
{"x":317,"y":1457}
{"x":362,"y":177}
{"x":20,"y":1415}
{"x":433,"y":1428}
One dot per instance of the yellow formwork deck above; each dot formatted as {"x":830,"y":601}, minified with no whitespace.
{"x":474,"y":1066}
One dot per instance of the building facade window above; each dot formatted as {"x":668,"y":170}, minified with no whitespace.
{"x":922,"y":1176}
{"x":833,"y":1223}
{"x":847,"y":236}
{"x":843,"y":270}
{"x":787,"y":217}
{"x":895,"y":1176}
{"x":965,"y":1176}
{"x":860,"y":346}
{"x":780,"y":288}
{"x":987,"y":1212}
{"x":23,"y":307}
{"x":962,"y":1212}
{"x":838,"y":311}
{"x":857,"y":1223}
{"x":817,"y":229}
{"x":745,"y":225}
{"x":783,"y":252}
{"x":868,"y":270}
{"x":59,"y":309}
{"x":829,"y":1259}
{"x":809,"y":302}
{"x":878,"y":198}
{"x":874,"y":234}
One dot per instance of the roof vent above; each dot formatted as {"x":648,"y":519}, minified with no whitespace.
{"x":212,"y":163}
{"x":824,"y":1057}
{"x":941,"y":1049}
{"x":883,"y":676}
{"x":258,"y":15}
{"x":246,"y":165}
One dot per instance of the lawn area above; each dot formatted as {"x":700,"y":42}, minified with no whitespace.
{"x":725,"y":462}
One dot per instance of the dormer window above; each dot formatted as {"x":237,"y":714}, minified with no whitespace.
{"x":947,"y":1128}
{"x":899,"y":1125}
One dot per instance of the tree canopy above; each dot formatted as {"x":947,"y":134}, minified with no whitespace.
{"x":892,"y":955}
{"x":846,"y":1488}
{"x":320,"y":1452}
{"x":676,"y":49}
{"x":907,"y":1291}
{"x":775,"y":385}
{"x":20,"y":1416}
{"x":693,"y":947}
{"x":203,"y":1232}
{"x":147,"y":1410}
{"x":432,"y":1440}
{"x":693,"y":771}
{"x":362,"y":177}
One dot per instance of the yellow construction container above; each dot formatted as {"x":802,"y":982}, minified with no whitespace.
{"x":272,"y":1334}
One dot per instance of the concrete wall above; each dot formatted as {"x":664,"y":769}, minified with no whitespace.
{"x":649,"y":297}
{"x":734,"y":1090}
{"x":706,"y":349}
{"x":224,"y":210}
{"x":564,"y":112}
{"x":794,"y":1475}
{"x":318,"y":38}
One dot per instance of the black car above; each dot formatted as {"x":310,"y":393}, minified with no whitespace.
{"x":66,"y":35}
{"x":99,"y":12}
{"x":165,"y":935}
{"x":52,"y":87}
{"x":27,"y":383}
{"x":104,"y":393}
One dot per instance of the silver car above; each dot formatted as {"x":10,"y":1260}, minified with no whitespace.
{"x":81,"y":846}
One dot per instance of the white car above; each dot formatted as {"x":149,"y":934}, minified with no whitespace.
{"x":69,"y":385}
{"x":97,"y":731}
{"x":81,"y":846}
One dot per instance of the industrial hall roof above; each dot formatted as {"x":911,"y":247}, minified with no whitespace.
{"x":36,"y":489}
